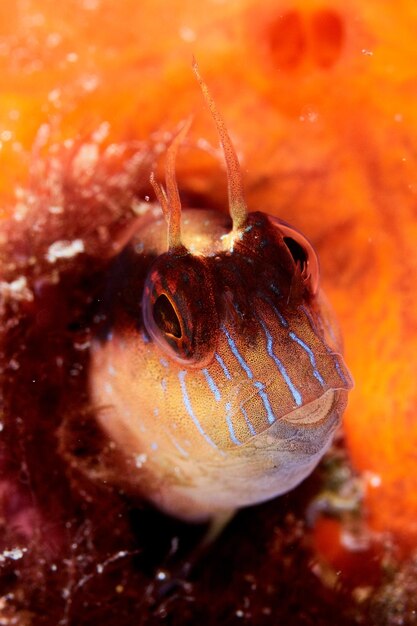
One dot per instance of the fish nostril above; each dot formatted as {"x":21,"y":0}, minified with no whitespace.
{"x":166,"y":318}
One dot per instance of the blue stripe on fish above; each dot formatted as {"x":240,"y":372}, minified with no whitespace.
{"x":269,"y":346}
{"x":144,"y":337}
{"x":181,"y":376}
{"x":311,"y":356}
{"x":214,"y":388}
{"x":264,"y":397}
{"x":179,"y":448}
{"x":275,"y":289}
{"x":237,"y":354}
{"x":340,"y":372}
{"x":338,"y":369}
{"x":275,"y":310}
{"x":230,"y":425}
{"x":248,"y":422}
{"x":223,"y":366}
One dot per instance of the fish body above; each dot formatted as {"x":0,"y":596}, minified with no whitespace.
{"x":253,"y":418}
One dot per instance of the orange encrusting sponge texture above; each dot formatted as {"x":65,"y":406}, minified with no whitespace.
{"x":320,"y":100}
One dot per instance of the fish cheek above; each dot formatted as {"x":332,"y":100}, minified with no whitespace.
{"x":135,"y":389}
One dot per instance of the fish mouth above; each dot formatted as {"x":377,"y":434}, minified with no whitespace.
{"x":307,"y":429}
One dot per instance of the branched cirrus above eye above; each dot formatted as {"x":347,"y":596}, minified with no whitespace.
{"x":166,"y":317}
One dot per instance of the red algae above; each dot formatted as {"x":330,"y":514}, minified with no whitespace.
{"x":325,"y":126}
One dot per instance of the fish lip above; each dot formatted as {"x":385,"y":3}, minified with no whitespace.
{"x":316,"y":411}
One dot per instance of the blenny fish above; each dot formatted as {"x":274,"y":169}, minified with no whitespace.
{"x":218,"y":376}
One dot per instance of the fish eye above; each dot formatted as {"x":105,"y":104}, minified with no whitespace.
{"x":178,"y":309}
{"x":302,"y":254}
{"x":297,"y":252}
{"x":166,"y":317}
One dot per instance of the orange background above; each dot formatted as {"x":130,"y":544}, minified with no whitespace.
{"x":320,"y":99}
